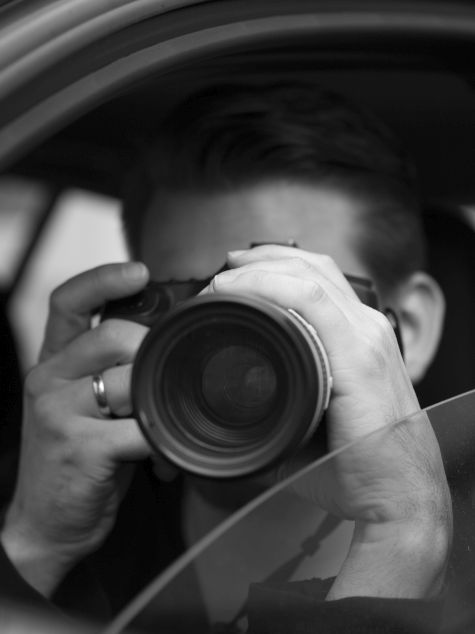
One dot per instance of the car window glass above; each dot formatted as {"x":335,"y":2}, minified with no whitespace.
{"x":83,"y":231}
{"x":20,"y":204}
{"x":284,"y":536}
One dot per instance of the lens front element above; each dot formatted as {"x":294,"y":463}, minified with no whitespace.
{"x":239,"y":384}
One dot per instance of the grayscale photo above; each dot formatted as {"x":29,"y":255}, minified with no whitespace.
{"x":237,"y":317}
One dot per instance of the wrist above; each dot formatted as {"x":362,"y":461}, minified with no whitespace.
{"x":42,"y":567}
{"x":395,"y":560}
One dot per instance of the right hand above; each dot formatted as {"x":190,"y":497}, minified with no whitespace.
{"x":74,"y":463}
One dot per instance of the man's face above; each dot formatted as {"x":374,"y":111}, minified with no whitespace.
{"x":188,"y":235}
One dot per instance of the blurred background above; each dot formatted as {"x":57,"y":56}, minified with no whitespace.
{"x":83,"y":230}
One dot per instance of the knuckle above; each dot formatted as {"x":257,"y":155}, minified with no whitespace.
{"x":118,"y":338}
{"x":59,"y":305}
{"x":257,"y":278}
{"x":327,"y":264}
{"x":34,"y":383}
{"x":47,"y":417}
{"x":326,"y":261}
{"x":56,"y":299}
{"x":108,"y":332}
{"x":42,"y":407}
{"x":312,"y":291}
{"x":106,"y":329}
{"x":301,"y":264}
{"x":382,"y":326}
{"x":381,"y":343}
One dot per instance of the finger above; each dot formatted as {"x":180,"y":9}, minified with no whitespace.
{"x":127,"y":442}
{"x":113,"y":342}
{"x":324,"y":264}
{"x":334,"y":320}
{"x":73,"y":303}
{"x":69,"y":416}
{"x":117,"y":439}
{"x":116,"y":393}
{"x":297,"y":267}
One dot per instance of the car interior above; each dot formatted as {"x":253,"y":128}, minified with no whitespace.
{"x":422,"y":90}
{"x":78,"y":121}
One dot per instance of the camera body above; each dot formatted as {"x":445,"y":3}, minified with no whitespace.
{"x":158,"y":298}
{"x":225,"y":385}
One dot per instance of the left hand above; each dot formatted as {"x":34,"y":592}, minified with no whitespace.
{"x":75,"y":462}
{"x":398,"y":494}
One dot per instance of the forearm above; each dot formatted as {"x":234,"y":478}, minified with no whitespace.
{"x":398,"y":560}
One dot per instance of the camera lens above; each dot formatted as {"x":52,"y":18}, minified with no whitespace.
{"x":217,"y":387}
{"x":239,"y":384}
{"x":225,"y":386}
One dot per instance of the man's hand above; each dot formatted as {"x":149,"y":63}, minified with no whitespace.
{"x":73,"y":464}
{"x":393,"y":486}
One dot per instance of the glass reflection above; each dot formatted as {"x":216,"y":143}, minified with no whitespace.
{"x":283,"y":536}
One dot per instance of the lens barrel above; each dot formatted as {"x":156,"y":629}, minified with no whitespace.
{"x":226,"y":385}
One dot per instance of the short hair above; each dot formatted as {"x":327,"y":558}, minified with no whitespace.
{"x":232,"y":136}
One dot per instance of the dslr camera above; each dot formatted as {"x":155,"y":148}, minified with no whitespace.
{"x":225,"y":385}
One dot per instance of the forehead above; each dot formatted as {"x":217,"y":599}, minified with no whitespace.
{"x":187,"y":235}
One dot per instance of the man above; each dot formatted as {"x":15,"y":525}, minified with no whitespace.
{"x":233,"y":166}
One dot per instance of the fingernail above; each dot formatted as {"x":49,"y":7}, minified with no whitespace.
{"x":135,"y":271}
{"x":236,"y":254}
{"x":225,"y":276}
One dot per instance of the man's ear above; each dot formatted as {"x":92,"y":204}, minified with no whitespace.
{"x":420,"y":305}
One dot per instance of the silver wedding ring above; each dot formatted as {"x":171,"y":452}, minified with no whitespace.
{"x":99,"y":390}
